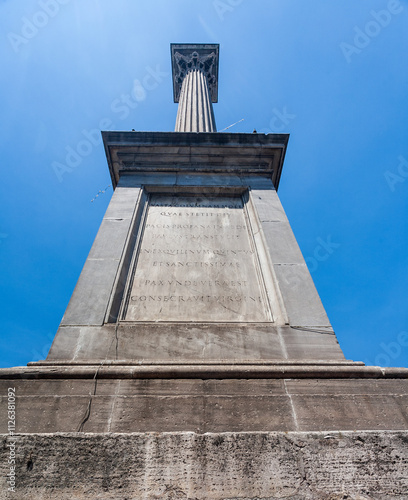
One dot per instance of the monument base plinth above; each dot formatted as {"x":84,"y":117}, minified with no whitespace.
{"x":215,"y":466}
{"x":251,"y":396}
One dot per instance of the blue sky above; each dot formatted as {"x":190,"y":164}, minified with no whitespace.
{"x":332,"y":74}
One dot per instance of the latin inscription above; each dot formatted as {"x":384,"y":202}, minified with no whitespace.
{"x":196,"y":263}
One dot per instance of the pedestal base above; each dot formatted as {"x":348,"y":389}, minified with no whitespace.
{"x":220,"y":466}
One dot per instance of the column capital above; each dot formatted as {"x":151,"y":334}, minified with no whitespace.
{"x":202,"y":56}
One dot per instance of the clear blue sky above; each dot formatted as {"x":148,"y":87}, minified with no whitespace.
{"x":332,"y":74}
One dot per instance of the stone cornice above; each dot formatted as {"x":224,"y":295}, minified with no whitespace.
{"x":189,"y":152}
{"x":202,"y":371}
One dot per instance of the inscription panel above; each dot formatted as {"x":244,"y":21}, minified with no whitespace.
{"x":196,"y":262}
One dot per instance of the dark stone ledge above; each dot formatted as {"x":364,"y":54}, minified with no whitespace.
{"x":204,"y":371}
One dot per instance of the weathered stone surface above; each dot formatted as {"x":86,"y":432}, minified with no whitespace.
{"x":310,"y":343}
{"x":83,"y":335}
{"x":110,"y":239}
{"x":123,"y":202}
{"x":281,"y":243}
{"x":89,"y":301}
{"x":183,"y":342}
{"x":267,"y":203}
{"x":83,"y":342}
{"x":217,"y":466}
{"x":196,"y":263}
{"x":154,"y":166}
{"x":302,"y":302}
{"x":99,"y":400}
{"x":168,"y":342}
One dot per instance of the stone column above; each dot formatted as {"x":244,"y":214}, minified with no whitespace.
{"x":195,"y":83}
{"x":195,"y":112}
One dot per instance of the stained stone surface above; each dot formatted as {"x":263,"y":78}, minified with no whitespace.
{"x":178,"y":342}
{"x":203,"y":399}
{"x":196,"y":262}
{"x":188,"y":466}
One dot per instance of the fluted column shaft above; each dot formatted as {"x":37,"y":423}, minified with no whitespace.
{"x":195,"y":112}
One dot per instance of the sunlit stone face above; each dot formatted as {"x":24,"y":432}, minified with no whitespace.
{"x":196,"y":262}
